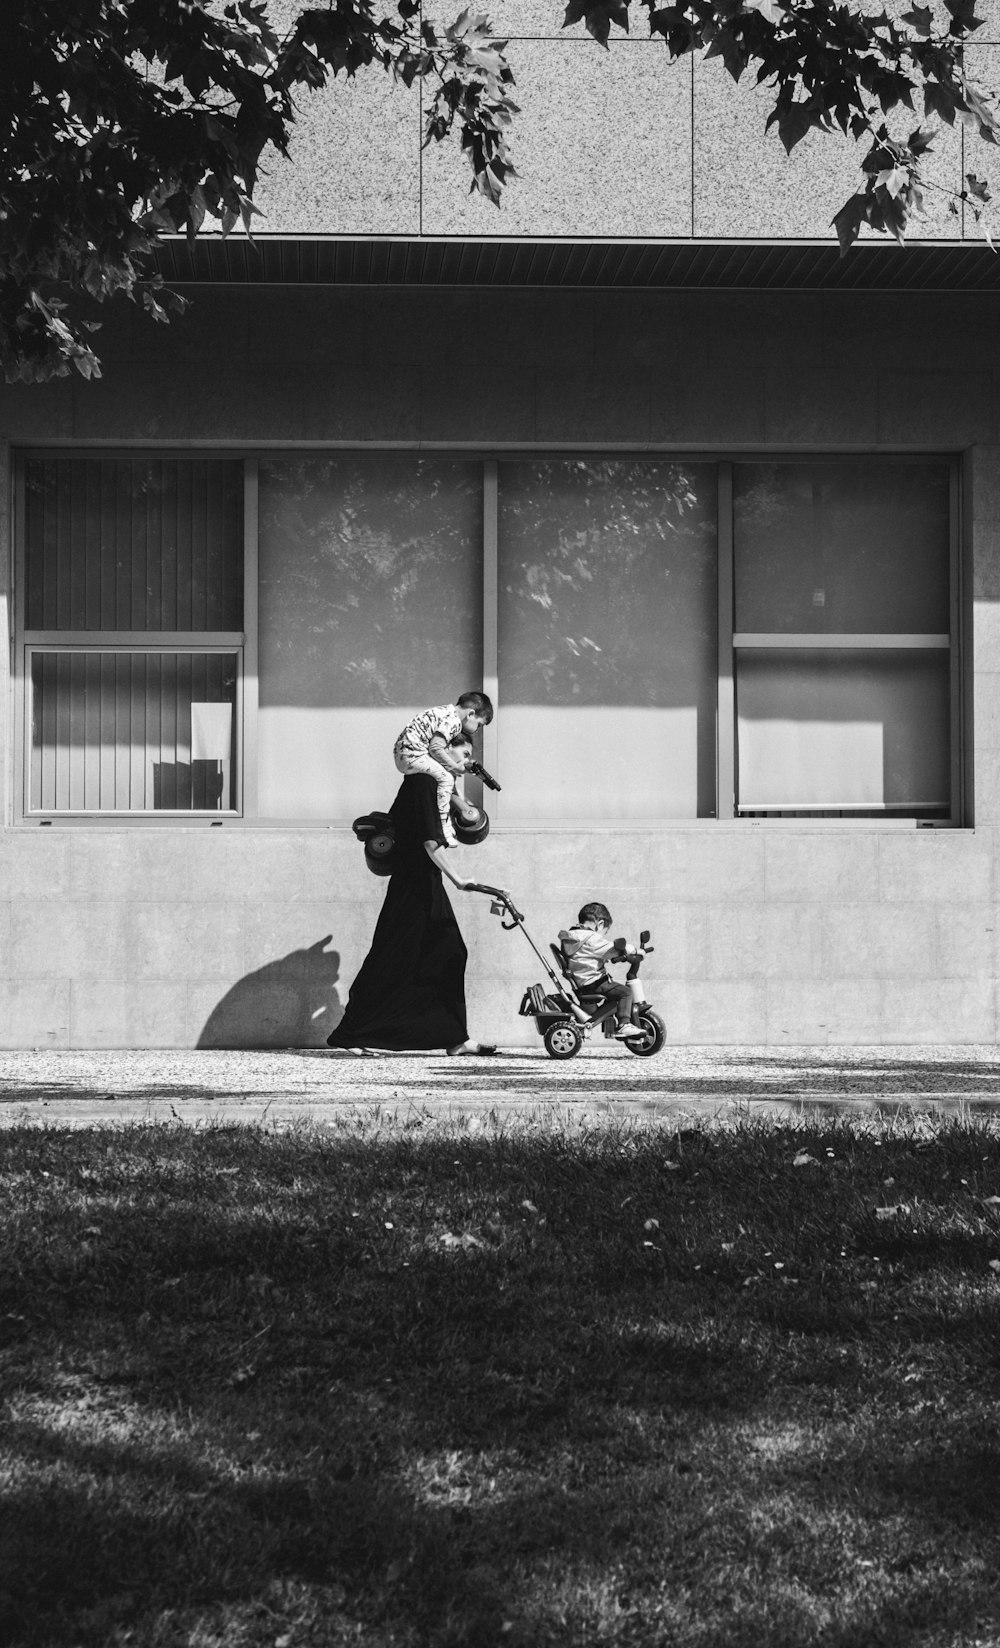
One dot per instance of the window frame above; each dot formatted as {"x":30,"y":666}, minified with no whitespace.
{"x":244,"y":643}
{"x":28,"y":642}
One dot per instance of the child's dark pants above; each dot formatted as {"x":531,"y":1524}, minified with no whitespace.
{"x":620,"y":994}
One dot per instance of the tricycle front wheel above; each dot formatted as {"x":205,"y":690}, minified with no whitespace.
{"x":651,"y":1033}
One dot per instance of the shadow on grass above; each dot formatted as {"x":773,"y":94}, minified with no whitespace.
{"x":451,"y":1390}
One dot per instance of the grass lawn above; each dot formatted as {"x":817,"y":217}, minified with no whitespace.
{"x":520,"y":1382}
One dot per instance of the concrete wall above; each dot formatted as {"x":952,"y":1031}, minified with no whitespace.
{"x":619,"y":142}
{"x":781,"y":933}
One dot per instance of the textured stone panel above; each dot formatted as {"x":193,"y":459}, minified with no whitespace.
{"x":943,"y":1010}
{"x":99,"y":1015}
{"x":584,"y":170}
{"x":765,"y":941}
{"x":299,"y":959}
{"x":746,"y":186}
{"x":308,"y":935}
{"x":840,"y":1012}
{"x":124,"y":404}
{"x":456,"y":407}
{"x":717,"y":407}
{"x":592,"y":401}
{"x":986,"y":634}
{"x":38,"y":411}
{"x":185,"y":941}
{"x":710,"y":864}
{"x":750,"y":333}
{"x":34,"y":863}
{"x":936,"y":864}
{"x":983,"y":63}
{"x":817,"y":866}
{"x":331,"y":866}
{"x":989,"y":11}
{"x":955,"y":331}
{"x":34,"y":1012}
{"x":354,"y":166}
{"x":67,"y":939}
{"x":983,"y":468}
{"x":289,"y":401}
{"x":967,"y":941}
{"x":541,"y":20}
{"x":310,"y":324}
{"x":216,"y":322}
{"x":839,"y":410}
{"x":936,"y":408}
{"x":158,"y":864}
{"x":987,"y":787}
{"x":880,"y":941}
{"x":680,"y":937}
{"x":719,"y":1012}
{"x":568,"y":869}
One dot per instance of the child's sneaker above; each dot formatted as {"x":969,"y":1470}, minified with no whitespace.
{"x":450,"y":838}
{"x":625,"y":1031}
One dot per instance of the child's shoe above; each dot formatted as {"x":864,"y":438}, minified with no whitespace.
{"x":450,"y":838}
{"x":625,"y":1031}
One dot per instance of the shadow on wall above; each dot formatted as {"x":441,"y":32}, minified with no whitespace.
{"x":290,"y":1002}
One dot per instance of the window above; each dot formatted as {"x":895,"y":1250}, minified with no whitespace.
{"x":608,"y":638}
{"x":132,"y":634}
{"x":842,"y":619}
{"x":666,"y":638}
{"x":370,"y":608}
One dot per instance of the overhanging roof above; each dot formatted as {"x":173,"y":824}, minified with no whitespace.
{"x":753,"y":265}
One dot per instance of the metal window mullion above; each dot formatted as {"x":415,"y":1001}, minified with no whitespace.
{"x":841,"y":642}
{"x":244,"y":798}
{"x":19,"y":788}
{"x":725,"y":740}
{"x":105,"y":640}
{"x":491,"y":664}
{"x":955,"y":718}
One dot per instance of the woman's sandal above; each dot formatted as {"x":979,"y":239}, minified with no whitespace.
{"x":478,"y":1049}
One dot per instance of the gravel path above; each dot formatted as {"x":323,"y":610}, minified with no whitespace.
{"x":84,"y":1088}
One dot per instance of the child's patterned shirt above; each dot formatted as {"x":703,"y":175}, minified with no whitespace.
{"x":445,"y":720}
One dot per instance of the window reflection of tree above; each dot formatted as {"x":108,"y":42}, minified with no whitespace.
{"x":370,"y":579}
{"x":608,"y":581}
{"x":844,"y":547}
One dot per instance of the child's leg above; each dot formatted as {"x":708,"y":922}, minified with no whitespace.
{"x":620,"y":994}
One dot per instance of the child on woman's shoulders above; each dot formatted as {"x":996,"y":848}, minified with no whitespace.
{"x":437,"y":742}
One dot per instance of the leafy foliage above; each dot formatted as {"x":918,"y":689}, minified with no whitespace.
{"x":122,"y":121}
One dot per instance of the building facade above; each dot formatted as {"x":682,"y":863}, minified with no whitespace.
{"x":712,"y":513}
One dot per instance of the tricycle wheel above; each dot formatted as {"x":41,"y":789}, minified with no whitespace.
{"x":562,"y":1039}
{"x":651,"y":1033}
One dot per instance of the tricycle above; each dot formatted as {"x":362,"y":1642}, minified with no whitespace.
{"x":565,"y":1014}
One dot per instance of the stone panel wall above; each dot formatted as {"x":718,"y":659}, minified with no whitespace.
{"x":608,"y":143}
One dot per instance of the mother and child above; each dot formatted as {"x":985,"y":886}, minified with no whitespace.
{"x":410,"y":992}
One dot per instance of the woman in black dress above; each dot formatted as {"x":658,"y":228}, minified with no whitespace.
{"x":410,"y":991}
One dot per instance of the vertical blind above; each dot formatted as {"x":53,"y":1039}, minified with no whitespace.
{"x":147,"y":545}
{"x":133,"y":544}
{"x":112,"y":731}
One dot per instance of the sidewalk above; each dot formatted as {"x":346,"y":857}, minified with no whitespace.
{"x":280,"y":1088}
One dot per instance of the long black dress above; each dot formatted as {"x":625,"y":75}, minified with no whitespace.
{"x":410,"y":991}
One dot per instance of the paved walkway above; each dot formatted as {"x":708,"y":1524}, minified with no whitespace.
{"x":104,"y":1088}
